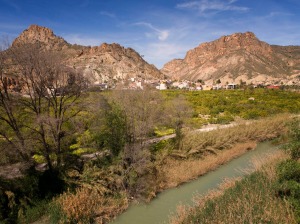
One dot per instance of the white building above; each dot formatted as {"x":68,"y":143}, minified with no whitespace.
{"x":162,"y":86}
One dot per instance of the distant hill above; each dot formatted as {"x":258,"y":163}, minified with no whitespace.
{"x":240,"y":56}
{"x":100,"y":63}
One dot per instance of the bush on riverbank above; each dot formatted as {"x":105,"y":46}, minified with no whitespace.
{"x":89,"y":205}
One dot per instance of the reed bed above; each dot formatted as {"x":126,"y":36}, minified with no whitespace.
{"x":259,"y":130}
{"x":250,"y":200}
{"x":204,"y":152}
{"x":176,"y":171}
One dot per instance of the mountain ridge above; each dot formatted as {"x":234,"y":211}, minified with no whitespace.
{"x":102,"y":63}
{"x":240,"y":56}
{"x":232,"y":58}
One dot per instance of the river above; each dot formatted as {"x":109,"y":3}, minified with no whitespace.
{"x":160,"y":208}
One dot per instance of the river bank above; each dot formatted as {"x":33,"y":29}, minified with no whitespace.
{"x":257,"y":198}
{"x":164,"y":205}
{"x":177,"y":172}
{"x":202,"y":152}
{"x":214,"y":148}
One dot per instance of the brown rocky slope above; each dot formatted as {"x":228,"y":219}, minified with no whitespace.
{"x":240,"y":56}
{"x":102,"y":63}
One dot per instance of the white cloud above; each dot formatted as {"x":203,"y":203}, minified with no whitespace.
{"x":204,"y":6}
{"x":164,"y":34}
{"x":161,"y":34}
{"x":161,"y":53}
{"x":108,"y":14}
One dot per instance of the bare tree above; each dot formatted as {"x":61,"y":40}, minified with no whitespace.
{"x":39,"y":116}
{"x":140,"y":112}
{"x":178,"y":111}
{"x":10,"y":129}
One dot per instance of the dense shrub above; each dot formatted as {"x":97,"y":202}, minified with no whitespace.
{"x":289,"y":170}
{"x":289,"y":184}
{"x":293,"y":147}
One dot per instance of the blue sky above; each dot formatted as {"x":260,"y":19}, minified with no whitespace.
{"x":159,"y":30}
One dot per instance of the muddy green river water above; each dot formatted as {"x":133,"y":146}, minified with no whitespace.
{"x":159,"y":209}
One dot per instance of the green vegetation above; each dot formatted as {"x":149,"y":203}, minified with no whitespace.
{"x":223,"y":106}
{"x":289,"y":170}
{"x":293,"y":147}
{"x":163,"y":131}
{"x":269,"y":195}
{"x":251,"y":200}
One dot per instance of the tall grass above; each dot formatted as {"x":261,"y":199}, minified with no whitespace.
{"x":98,"y":197}
{"x":175,"y":172}
{"x":251,"y":200}
{"x":203,"y":152}
{"x":259,"y":130}
{"x":90,"y":206}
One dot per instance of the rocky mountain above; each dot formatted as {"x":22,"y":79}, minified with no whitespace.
{"x":106,"y":62}
{"x":45,"y":36}
{"x":240,"y":56}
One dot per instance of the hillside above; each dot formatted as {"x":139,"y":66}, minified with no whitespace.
{"x":240,"y":56}
{"x":100,"y":63}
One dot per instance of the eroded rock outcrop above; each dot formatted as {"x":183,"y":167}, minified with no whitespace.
{"x":240,"y":56}
{"x":106,"y":62}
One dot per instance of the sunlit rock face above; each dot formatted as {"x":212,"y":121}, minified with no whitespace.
{"x":107,"y":62}
{"x":240,"y":56}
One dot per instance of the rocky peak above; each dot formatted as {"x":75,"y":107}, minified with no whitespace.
{"x":238,"y":39}
{"x":42,"y":35}
{"x":106,"y":62}
{"x":247,"y":41}
{"x":226,"y":44}
{"x":236,"y":56}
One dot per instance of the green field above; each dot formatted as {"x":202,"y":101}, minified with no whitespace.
{"x":223,"y":106}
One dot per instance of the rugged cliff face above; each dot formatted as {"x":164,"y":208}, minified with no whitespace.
{"x":112,"y":61}
{"x":45,"y":36}
{"x":240,"y":56}
{"x":101,"y":63}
